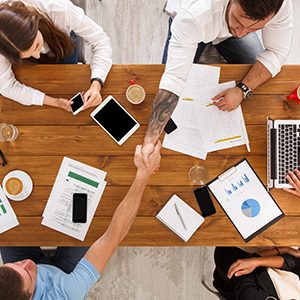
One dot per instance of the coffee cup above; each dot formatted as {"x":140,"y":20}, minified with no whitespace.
{"x":135,"y":93}
{"x":295,"y":95}
{"x":17,"y":185}
{"x":14,"y":186}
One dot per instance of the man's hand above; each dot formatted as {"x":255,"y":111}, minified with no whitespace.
{"x":153,"y":163}
{"x":147,"y":149}
{"x":243,"y":267}
{"x":229,"y":99}
{"x":294,"y":180}
{"x":64,"y":104}
{"x":92,"y":97}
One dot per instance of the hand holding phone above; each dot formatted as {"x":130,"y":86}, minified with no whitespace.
{"x":77,"y":103}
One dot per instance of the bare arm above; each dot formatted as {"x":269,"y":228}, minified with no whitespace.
{"x":102,"y":249}
{"x":257,"y":75}
{"x":163,"y":107}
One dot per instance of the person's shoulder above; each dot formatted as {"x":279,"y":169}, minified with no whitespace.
{"x":201,"y":11}
{"x":52,"y":5}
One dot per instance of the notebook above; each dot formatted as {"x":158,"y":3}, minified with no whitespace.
{"x":180,"y":218}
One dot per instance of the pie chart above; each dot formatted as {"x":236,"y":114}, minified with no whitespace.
{"x":250,"y":208}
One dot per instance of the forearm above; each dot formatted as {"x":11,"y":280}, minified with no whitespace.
{"x":256,"y":76}
{"x":127,"y":210}
{"x":51,"y":101}
{"x":270,"y":262}
{"x":163,"y":107}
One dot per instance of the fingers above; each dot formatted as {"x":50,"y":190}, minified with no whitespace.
{"x":233,"y":268}
{"x":138,"y":150}
{"x":217,"y":97}
{"x":293,"y":180}
{"x":293,"y":192}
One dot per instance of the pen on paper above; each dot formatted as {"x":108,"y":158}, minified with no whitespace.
{"x":228,"y":139}
{"x":188,"y":99}
{"x":180,"y":216}
{"x":214,"y":101}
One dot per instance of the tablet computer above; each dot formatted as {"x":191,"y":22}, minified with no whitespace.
{"x":115,"y":120}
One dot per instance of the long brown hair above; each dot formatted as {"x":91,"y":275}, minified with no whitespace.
{"x":19,"y":24}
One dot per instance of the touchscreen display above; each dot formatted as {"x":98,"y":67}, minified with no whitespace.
{"x":77,"y":103}
{"x":115,"y":120}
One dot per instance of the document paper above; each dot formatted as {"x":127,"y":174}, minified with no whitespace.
{"x":245,"y":200}
{"x":8,"y":218}
{"x":202,"y":127}
{"x":73,"y":177}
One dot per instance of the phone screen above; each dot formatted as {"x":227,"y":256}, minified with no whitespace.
{"x":77,"y":102}
{"x":79,"y":208}
{"x":205,"y":203}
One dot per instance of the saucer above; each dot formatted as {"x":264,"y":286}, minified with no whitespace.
{"x":27,"y":184}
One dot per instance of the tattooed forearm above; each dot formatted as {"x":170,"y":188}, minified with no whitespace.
{"x":163,"y":107}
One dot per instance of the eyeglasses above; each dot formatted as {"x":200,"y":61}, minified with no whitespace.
{"x":4,"y":161}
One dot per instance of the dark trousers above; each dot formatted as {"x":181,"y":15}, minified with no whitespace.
{"x":243,"y":50}
{"x":65,"y":258}
{"x":224,"y":258}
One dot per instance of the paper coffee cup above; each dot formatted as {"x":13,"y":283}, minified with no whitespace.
{"x":135,"y":94}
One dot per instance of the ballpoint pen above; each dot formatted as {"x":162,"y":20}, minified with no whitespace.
{"x":180,"y":216}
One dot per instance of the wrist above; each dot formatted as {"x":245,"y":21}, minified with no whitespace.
{"x":96,"y":84}
{"x":142,"y":176}
{"x":51,"y":101}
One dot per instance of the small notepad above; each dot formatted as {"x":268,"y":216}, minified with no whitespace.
{"x":190,"y":222}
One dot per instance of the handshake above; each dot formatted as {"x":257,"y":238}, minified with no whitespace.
{"x":147,"y":159}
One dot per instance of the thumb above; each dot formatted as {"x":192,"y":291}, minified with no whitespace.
{"x":157,"y":146}
{"x":217,"y":97}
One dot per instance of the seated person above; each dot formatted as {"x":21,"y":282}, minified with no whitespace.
{"x":270,"y":274}
{"x":47,"y":32}
{"x":27,"y":274}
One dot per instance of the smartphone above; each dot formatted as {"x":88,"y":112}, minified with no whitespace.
{"x":77,"y":103}
{"x":204,"y":201}
{"x":170,"y":126}
{"x":79,"y":208}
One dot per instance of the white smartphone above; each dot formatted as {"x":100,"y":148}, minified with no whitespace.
{"x":115,"y":120}
{"x":77,"y":104}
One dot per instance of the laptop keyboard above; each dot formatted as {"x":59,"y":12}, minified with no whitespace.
{"x":288,"y":150}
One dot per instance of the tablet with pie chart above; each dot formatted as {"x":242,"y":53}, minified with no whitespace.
{"x":245,"y":200}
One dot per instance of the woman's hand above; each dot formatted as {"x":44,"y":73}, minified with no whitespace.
{"x":92,"y":97}
{"x":58,"y":102}
{"x":243,"y":267}
{"x":289,"y":250}
{"x":294,"y":180}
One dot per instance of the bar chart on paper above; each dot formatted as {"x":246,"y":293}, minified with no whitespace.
{"x":237,"y":186}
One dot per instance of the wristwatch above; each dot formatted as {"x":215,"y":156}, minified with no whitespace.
{"x":99,"y":80}
{"x":246,"y":90}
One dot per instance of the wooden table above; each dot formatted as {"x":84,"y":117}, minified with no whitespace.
{"x":47,"y":134}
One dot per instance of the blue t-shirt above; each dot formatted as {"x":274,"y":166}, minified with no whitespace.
{"x":53,"y":283}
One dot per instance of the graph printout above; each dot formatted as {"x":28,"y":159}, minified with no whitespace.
{"x":245,"y":200}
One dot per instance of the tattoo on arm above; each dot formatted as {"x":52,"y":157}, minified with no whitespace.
{"x":163,"y":107}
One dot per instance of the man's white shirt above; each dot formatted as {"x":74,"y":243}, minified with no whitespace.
{"x":198,"y":21}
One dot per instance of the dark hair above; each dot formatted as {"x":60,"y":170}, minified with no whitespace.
{"x":19,"y":25}
{"x":11,"y":285}
{"x":258,"y":10}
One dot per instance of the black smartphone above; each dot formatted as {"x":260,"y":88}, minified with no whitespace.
{"x":170,"y":126}
{"x":77,"y":104}
{"x":79,"y":208}
{"x":204,"y":201}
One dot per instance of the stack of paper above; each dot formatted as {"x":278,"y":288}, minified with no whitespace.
{"x":8,"y":218}
{"x":201,"y":126}
{"x":180,"y":218}
{"x":73,"y":177}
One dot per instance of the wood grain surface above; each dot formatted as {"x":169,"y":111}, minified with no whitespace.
{"x":47,"y":134}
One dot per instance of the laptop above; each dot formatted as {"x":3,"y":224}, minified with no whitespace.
{"x":283,"y":151}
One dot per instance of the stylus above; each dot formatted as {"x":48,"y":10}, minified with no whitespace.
{"x":180,"y":216}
